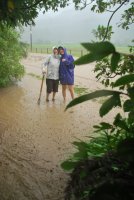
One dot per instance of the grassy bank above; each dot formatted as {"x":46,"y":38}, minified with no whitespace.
{"x":74,"y":49}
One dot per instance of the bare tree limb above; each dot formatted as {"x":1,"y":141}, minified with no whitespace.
{"x":85,"y":4}
{"x":110,"y":11}
{"x":111,"y":18}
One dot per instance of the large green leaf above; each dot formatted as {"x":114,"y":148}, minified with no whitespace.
{"x":131,"y":92}
{"x":100,"y":47}
{"x":109,"y":104}
{"x":91,"y":58}
{"x":68,"y":165}
{"x":81,"y":155}
{"x":80,"y":145}
{"x":114,"y":61}
{"x":97,"y":50}
{"x":120,"y":122}
{"x":128,"y":106}
{"x":124,"y":80}
{"x":93,"y":95}
{"x":85,"y":59}
{"x":131,"y":118}
{"x":105,"y":125}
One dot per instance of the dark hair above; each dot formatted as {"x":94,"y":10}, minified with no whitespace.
{"x":60,"y":47}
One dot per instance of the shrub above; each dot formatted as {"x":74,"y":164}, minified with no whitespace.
{"x":10,"y":54}
{"x":103,"y":167}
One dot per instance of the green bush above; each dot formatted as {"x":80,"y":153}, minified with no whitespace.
{"x":103,"y":166}
{"x":24,"y":49}
{"x":10,"y":54}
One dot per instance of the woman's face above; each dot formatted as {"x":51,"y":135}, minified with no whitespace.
{"x":61,"y":51}
{"x":55,"y":51}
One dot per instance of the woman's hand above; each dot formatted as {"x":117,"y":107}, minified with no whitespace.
{"x":63,"y":60}
{"x":43,"y":71}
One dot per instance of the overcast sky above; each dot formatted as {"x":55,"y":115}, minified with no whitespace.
{"x":71,"y":26}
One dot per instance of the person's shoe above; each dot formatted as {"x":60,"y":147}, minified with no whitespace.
{"x":53,"y":99}
{"x":47,"y":100}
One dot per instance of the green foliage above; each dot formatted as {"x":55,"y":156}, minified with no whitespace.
{"x":95,"y":147}
{"x":107,"y":72}
{"x":127,"y":17}
{"x":125,"y":80}
{"x":112,"y":66}
{"x":25,"y":11}
{"x":100,"y":32}
{"x":68,"y":165}
{"x":114,"y":61}
{"x":109,"y":104}
{"x":97,"y":94}
{"x":80,"y":90}
{"x":110,"y":63}
{"x":99,"y":48}
{"x":100,"y":165}
{"x":24,"y":49}
{"x":114,"y":139}
{"x":128,"y":106}
{"x":98,"y":51}
{"x":10,"y":54}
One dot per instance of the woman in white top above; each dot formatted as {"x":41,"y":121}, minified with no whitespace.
{"x":52,"y":75}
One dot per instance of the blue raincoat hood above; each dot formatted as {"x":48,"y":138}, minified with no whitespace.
{"x":66,"y":70}
{"x":65,"y":55}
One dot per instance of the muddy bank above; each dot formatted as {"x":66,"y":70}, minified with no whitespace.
{"x":34,"y":139}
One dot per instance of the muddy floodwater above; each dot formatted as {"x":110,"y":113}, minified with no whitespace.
{"x":35,"y":139}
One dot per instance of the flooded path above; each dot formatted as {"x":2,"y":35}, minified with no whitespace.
{"x":34,"y":140}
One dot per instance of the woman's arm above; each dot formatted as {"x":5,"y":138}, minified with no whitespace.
{"x":69,"y":61}
{"x":47,"y":61}
{"x":45,"y":64}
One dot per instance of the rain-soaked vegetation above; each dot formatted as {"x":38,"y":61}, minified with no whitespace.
{"x":37,"y":141}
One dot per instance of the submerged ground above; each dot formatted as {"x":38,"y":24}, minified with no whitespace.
{"x":35,"y":139}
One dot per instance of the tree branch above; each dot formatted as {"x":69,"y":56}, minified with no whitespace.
{"x":33,"y":5}
{"x":110,"y":11}
{"x":85,"y":4}
{"x":111,"y":18}
{"x":126,"y":54}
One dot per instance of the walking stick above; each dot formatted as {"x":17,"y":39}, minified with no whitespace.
{"x":41,"y":89}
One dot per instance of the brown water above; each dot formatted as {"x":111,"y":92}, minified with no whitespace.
{"x":35,"y":139}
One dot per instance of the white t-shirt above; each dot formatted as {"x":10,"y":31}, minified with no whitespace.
{"x":52,"y":63}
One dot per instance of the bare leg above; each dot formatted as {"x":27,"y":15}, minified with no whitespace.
{"x":53,"y":98}
{"x":64,"y":87}
{"x":71,"y":90}
{"x":47,"y":97}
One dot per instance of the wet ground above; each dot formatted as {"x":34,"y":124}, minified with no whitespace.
{"x":35,"y":139}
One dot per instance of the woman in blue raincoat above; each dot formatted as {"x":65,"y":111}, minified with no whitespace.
{"x":66,"y":72}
